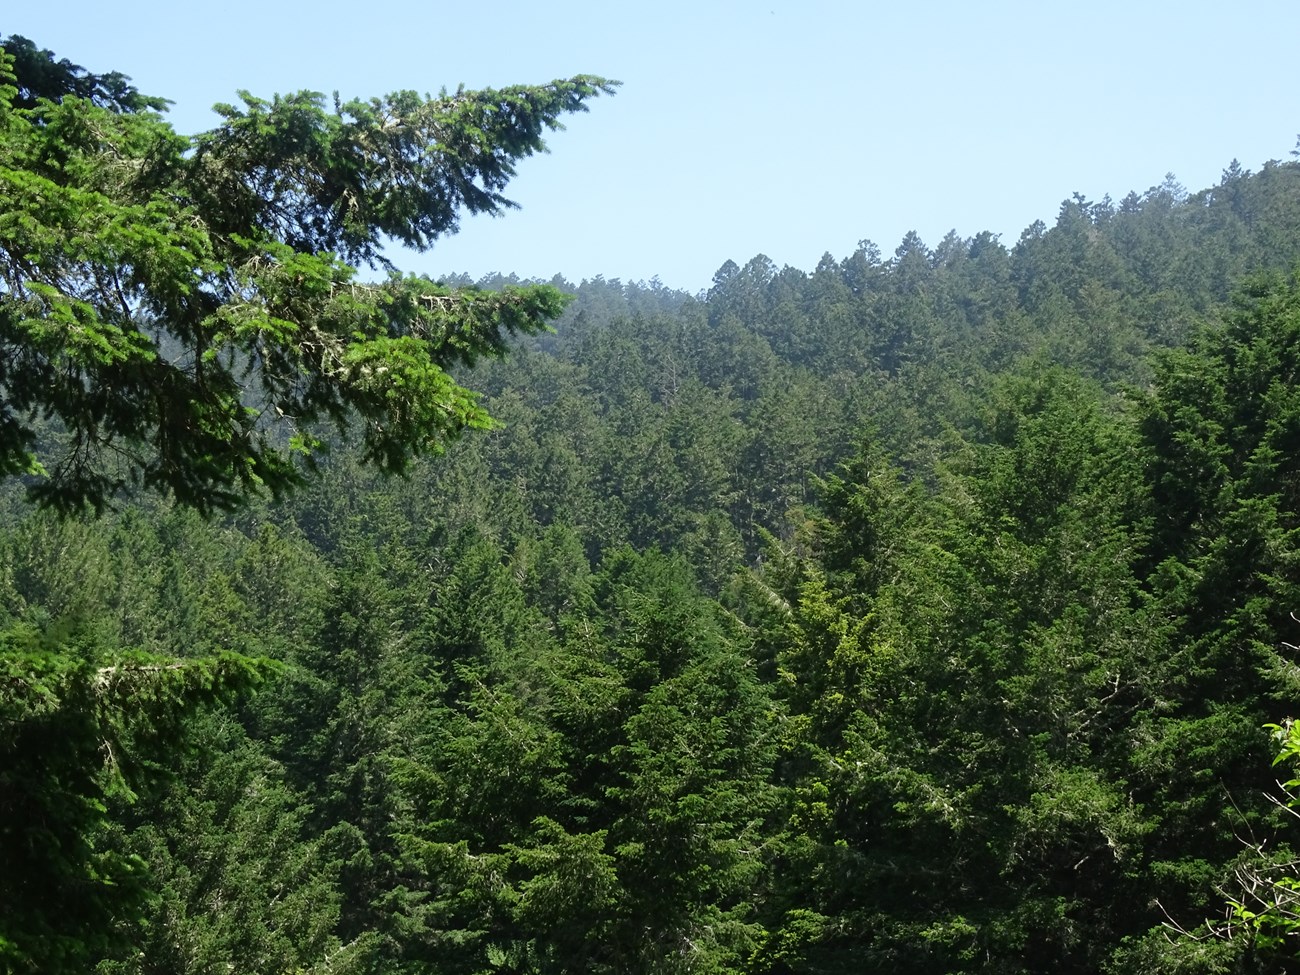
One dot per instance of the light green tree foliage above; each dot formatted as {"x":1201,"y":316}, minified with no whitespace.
{"x":588,"y":789}
{"x":1026,"y":703}
{"x":1264,"y":906}
{"x":957,"y":665}
{"x":235,"y":873}
{"x":122,"y":801}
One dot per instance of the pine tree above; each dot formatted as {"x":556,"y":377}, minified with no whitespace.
{"x":187,"y":315}
{"x":189,"y":310}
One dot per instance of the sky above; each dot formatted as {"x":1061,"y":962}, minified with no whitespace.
{"x":745,"y":128}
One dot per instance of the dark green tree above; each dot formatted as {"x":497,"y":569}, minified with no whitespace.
{"x":80,"y":732}
{"x":189,"y":310}
{"x":186,"y":315}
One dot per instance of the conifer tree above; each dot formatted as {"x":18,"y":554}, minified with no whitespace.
{"x":187,"y":315}
{"x":189,"y":309}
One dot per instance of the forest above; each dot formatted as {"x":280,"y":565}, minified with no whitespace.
{"x":930,"y":611}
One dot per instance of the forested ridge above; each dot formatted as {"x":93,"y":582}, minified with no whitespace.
{"x":916,"y":613}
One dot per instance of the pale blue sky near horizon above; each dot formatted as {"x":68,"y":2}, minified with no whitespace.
{"x":771,"y":127}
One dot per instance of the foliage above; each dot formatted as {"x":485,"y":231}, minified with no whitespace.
{"x":81,"y":731}
{"x":1267,"y":909}
{"x":186,"y":315}
{"x":188,"y":309}
{"x":918,"y":613}
{"x":39,"y":75}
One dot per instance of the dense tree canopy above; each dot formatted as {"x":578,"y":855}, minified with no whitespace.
{"x":921,"y":613}
{"x":186,"y":314}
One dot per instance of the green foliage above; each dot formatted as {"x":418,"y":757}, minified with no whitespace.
{"x":981,"y":693}
{"x":233,"y":869}
{"x":185,"y":314}
{"x":38,"y":75}
{"x":81,"y":729}
{"x":1267,"y":909}
{"x":188,"y":310}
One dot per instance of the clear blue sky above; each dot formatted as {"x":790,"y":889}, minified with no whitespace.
{"x":756,"y":127}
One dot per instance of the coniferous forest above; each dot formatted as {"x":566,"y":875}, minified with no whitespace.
{"x":934,"y":610}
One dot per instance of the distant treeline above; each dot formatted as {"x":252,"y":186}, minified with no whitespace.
{"x":917,"y":614}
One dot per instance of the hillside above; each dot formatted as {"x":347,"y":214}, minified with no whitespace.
{"x":921,"y":613}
